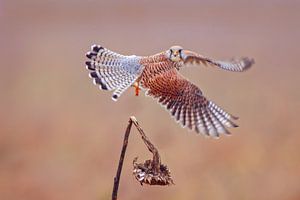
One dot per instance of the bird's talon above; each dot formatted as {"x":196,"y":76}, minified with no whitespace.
{"x":137,"y":89}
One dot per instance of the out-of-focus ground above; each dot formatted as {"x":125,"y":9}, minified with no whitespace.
{"x":60,"y":137}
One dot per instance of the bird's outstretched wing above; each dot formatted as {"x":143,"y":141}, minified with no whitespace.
{"x":187,"y":104}
{"x":237,"y":65}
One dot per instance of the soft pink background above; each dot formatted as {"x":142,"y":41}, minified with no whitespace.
{"x":60,"y":137}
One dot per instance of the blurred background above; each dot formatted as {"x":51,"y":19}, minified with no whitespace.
{"x":60,"y":137}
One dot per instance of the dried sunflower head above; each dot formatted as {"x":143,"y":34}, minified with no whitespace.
{"x":144,"y":173}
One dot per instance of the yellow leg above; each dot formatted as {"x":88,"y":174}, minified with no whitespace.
{"x":137,"y":88}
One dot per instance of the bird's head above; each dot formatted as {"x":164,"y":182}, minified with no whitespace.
{"x":175,"y":53}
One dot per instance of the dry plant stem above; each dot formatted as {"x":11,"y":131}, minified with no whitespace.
{"x":118,"y":175}
{"x":150,"y":146}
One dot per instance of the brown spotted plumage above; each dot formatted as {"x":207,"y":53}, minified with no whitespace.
{"x":158,"y":76}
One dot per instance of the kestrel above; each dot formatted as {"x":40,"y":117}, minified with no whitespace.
{"x":158,"y":75}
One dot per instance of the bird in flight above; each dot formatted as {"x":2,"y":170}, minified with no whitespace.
{"x":158,"y":75}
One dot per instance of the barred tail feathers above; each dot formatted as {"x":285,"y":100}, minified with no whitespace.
{"x":112,"y":71}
